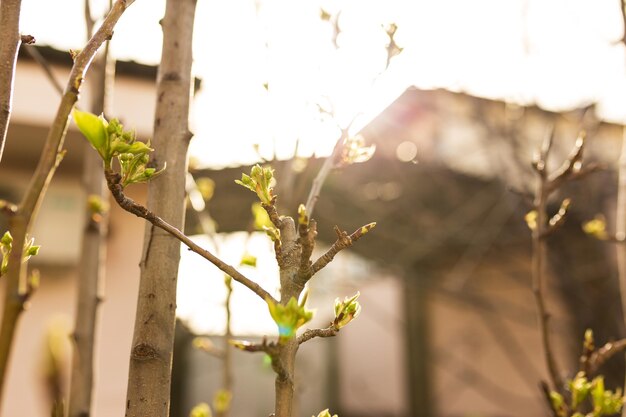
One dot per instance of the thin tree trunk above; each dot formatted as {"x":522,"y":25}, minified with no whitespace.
{"x":9,"y":45}
{"x":620,"y":232}
{"x":93,"y":254}
{"x":227,"y":371}
{"x":151,"y":355}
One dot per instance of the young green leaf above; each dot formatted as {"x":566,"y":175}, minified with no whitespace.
{"x":94,"y":129}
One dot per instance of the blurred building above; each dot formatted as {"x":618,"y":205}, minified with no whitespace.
{"x":448,"y":325}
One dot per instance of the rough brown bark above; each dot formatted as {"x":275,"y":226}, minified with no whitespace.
{"x":151,"y":355}
{"x":91,"y":268}
{"x":285,"y":361}
{"x":9,"y":46}
{"x":15,"y":291}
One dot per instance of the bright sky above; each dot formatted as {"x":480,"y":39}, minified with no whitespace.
{"x":558,"y":54}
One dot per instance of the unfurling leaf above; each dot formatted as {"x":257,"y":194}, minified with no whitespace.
{"x":94,"y":128}
{"x":579,"y":387}
{"x":605,"y":402}
{"x":112,"y":141}
{"x":30,"y":249}
{"x":260,"y":182}
{"x":289,"y":318}
{"x":346,"y":310}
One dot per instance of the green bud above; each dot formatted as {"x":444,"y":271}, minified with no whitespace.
{"x":367,"y":227}
{"x":557,"y":402}
{"x":249,"y":260}
{"x":139,"y":148}
{"x":201,"y":410}
{"x":96,"y":205}
{"x":119,"y":147}
{"x":7,"y":239}
{"x":303,"y":218}
{"x":346,"y":310}
{"x":33,"y":250}
{"x":221,"y":401}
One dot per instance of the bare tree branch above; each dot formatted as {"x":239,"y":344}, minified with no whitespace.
{"x":113,"y":181}
{"x":328,"y":165}
{"x":343,"y":241}
{"x":606,"y":352}
{"x":329,"y":331}
{"x":91,"y":268}
{"x":45,"y":66}
{"x":547,"y":183}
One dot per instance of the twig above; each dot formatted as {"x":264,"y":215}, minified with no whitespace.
{"x":328,"y":165}
{"x":9,"y":46}
{"x":547,"y":183}
{"x":600,"y":356}
{"x":329,"y":331}
{"x":8,"y":208}
{"x":91,"y":268}
{"x":270,"y":348}
{"x":113,"y":181}
{"x":89,"y":20}
{"x":45,"y":66}
{"x":343,"y":241}
{"x":538,"y":252}
{"x":273,"y":213}
{"x":50,"y":158}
